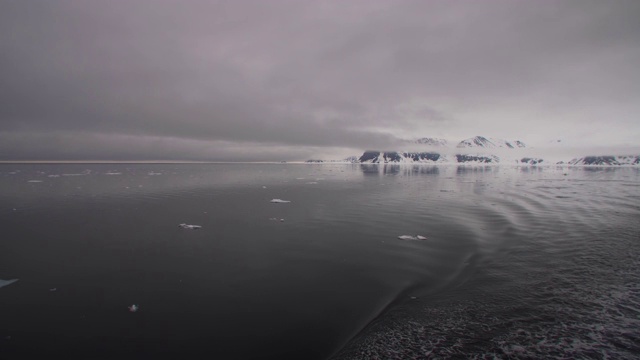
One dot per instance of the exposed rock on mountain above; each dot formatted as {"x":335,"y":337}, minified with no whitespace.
{"x":531,"y":161}
{"x":432,"y":141}
{"x":606,"y":160}
{"x":375,"y":157}
{"x":489,"y":143}
{"x":479,"y":159}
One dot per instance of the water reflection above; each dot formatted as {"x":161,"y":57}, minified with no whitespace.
{"x":396,"y":169}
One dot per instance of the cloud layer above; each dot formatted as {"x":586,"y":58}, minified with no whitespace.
{"x":107,"y":79}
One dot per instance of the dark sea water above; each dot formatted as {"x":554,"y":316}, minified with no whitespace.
{"x":518,"y":262}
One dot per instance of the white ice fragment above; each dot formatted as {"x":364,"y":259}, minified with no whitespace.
{"x":264,"y":187}
{"x":52,"y":176}
{"x":190,"y":227}
{"x":279,"y":201}
{"x":113,"y":173}
{"x":7,"y":282}
{"x":53,"y":289}
{"x":35,"y":181}
{"x":133,"y":308}
{"x":411,"y":237}
{"x":312,"y":182}
{"x":154,"y":173}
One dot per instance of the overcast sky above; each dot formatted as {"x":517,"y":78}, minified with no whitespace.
{"x":291,"y":80}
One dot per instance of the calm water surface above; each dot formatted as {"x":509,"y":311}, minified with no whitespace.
{"x":518,"y":262}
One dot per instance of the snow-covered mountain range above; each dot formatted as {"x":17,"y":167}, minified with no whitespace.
{"x":480,"y":150}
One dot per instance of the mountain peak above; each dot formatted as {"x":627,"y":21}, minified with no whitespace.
{"x":431,"y":141}
{"x":489,"y":143}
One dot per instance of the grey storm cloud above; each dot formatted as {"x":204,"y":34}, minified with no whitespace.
{"x":290,"y":75}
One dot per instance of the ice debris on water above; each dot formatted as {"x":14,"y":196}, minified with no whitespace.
{"x":411,"y":237}
{"x":7,"y":282}
{"x":133,"y":308}
{"x":190,"y":227}
{"x":53,"y":289}
{"x":279,"y":201}
{"x":35,"y":181}
{"x":276,"y":219}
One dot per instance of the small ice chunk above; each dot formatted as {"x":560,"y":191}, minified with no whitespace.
{"x":411,"y":237}
{"x":154,"y":173}
{"x":35,"y":181}
{"x":133,"y":308}
{"x":190,"y":227}
{"x":53,"y":289}
{"x":113,"y":173}
{"x":264,"y":187}
{"x":312,"y":182}
{"x":7,"y":282}
{"x":52,"y":176}
{"x":279,"y":201}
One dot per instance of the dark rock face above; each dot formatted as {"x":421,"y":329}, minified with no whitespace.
{"x":531,"y":161}
{"x":479,"y":141}
{"x":432,"y":141}
{"x":422,"y":156}
{"x":394,"y":156}
{"x":607,"y":160}
{"x":473,"y":158}
{"x":600,"y":160}
{"x":483,"y":142}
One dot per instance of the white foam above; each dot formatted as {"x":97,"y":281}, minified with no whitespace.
{"x":411,"y":237}
{"x":7,"y":282}
{"x":279,"y":201}
{"x":190,"y":227}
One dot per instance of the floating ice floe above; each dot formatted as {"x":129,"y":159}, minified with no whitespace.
{"x":52,"y":176}
{"x":7,"y":282}
{"x":35,"y":181}
{"x":312,"y":182}
{"x":113,"y":173}
{"x":279,"y":201}
{"x":276,"y":219}
{"x":411,"y":237}
{"x":154,"y":173}
{"x":53,"y":289}
{"x":133,"y":308}
{"x":190,"y":227}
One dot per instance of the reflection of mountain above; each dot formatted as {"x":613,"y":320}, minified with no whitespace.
{"x":396,"y":169}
